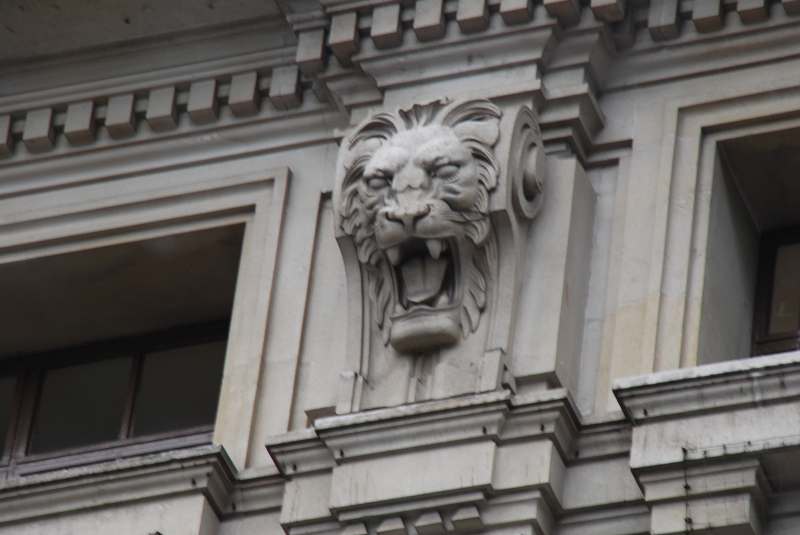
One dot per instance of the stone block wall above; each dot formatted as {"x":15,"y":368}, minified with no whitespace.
{"x":497,"y":276}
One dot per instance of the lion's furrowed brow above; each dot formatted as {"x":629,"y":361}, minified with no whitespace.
{"x":429,"y":161}
{"x":388,"y":159}
{"x":439,"y":152}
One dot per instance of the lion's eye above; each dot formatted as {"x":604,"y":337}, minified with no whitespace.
{"x":378,"y":182}
{"x":445,"y":171}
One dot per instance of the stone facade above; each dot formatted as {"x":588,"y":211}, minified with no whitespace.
{"x":498,"y":273}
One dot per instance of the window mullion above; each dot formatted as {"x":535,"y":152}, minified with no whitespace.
{"x":27,"y":410}
{"x":19,"y":389}
{"x":133,"y":385}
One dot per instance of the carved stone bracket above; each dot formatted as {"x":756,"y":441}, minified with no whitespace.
{"x":472,"y":464}
{"x":432,"y":204}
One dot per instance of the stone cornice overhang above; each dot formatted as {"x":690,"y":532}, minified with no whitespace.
{"x":205,"y":470}
{"x":719,"y":387}
{"x":715,"y":436}
{"x":350,"y":54}
{"x":499,"y":416}
{"x":694,"y":427}
{"x":506,"y":420}
{"x":536,"y":432}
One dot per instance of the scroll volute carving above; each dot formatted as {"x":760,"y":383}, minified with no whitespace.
{"x":423,"y":237}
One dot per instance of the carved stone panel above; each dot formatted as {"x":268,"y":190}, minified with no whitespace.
{"x":429,"y":223}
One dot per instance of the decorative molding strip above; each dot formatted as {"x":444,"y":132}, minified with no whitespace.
{"x":667,"y":19}
{"x":512,"y":446}
{"x":364,"y":37}
{"x":348,"y":23}
{"x":713,"y":387}
{"x":161,"y":109}
{"x":203,"y":470}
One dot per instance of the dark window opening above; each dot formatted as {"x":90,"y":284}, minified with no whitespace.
{"x":81,"y":405}
{"x":7,"y":389}
{"x":116,"y":345}
{"x":167,"y":383}
{"x":763,"y":236}
{"x":179,"y":389}
{"x":777,"y":318}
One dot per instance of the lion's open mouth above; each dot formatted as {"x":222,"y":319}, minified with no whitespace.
{"x":425,"y":273}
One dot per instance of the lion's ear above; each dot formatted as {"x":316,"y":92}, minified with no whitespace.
{"x":477,"y":120}
{"x":485,"y":132}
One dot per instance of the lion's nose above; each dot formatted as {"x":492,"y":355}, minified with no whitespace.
{"x":408,"y":215}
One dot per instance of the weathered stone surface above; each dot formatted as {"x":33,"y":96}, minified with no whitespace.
{"x":662,"y":19}
{"x":516,"y":11}
{"x":573,"y":205}
{"x":162,"y":115}
{"x":244,"y":98}
{"x":386,"y":29}
{"x":120,"y":119}
{"x":429,"y":20}
{"x":39,"y":135}
{"x":6,"y":140}
{"x":472,"y":15}
{"x":80,"y":126}
{"x":311,"y":52}
{"x":203,"y":106}
{"x":707,"y":15}
{"x":344,"y":39}
{"x":284,"y":90}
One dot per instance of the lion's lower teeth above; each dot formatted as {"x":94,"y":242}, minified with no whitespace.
{"x":423,"y":278}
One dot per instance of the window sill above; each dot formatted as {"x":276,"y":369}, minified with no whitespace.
{"x":718,"y":387}
{"x":205,"y":470}
{"x":109,"y":451}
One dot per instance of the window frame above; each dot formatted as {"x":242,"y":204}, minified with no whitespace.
{"x":29,"y":370}
{"x":58,"y":212}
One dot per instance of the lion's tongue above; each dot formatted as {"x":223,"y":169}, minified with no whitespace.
{"x":423,"y":277}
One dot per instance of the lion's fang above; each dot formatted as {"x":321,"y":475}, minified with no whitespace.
{"x":435,"y":248}
{"x":393,"y":254}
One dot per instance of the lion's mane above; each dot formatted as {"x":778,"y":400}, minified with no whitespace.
{"x":475,"y":123}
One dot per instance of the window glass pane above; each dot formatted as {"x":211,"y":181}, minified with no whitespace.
{"x":179,"y":388}
{"x":7,"y":385}
{"x":81,"y":405}
{"x":785,"y":310}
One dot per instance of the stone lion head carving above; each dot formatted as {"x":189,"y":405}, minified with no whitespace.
{"x":415,"y":200}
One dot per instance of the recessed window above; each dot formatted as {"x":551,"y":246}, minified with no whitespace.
{"x":151,"y":392}
{"x":115,"y":345}
{"x":777,"y":318}
{"x":750,"y":301}
{"x":785,"y":309}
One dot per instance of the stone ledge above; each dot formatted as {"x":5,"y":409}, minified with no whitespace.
{"x":203,"y":470}
{"x":713,"y":387}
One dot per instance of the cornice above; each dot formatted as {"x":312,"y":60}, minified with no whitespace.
{"x":714,"y":387}
{"x":182,"y":54}
{"x":200,"y":470}
{"x":538,"y":423}
{"x":742,"y":46}
{"x":108,"y":159}
{"x":340,"y":439}
{"x":498,"y":416}
{"x":350,"y":54}
{"x":427,"y":427}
